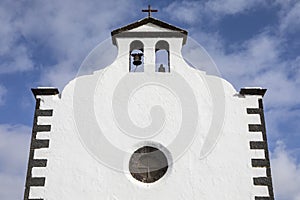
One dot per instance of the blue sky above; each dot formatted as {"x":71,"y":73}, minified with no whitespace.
{"x":254,"y":43}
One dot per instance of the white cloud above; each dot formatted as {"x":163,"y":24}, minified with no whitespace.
{"x":59,"y":74}
{"x":14,"y":148}
{"x":14,"y":55}
{"x":3,"y":92}
{"x":290,"y":18}
{"x":247,"y":60}
{"x":282,"y":124}
{"x":17,"y":60}
{"x":185,"y":11}
{"x":12,"y":186}
{"x":286,"y":174}
{"x":284,"y":3}
{"x":192,"y":12}
{"x":257,"y":62}
{"x":230,"y":7}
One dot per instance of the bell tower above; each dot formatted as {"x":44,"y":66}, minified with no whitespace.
{"x":149,"y":126}
{"x":143,"y":39}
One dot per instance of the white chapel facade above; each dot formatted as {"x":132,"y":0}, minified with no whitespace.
{"x":149,"y":128}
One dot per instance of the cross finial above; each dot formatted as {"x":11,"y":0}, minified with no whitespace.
{"x":149,"y":11}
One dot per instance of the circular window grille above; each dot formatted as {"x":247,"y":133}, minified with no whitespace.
{"x":148,"y":164}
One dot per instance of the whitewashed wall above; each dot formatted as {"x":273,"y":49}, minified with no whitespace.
{"x":74,"y":171}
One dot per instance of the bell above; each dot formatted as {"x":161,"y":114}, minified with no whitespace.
{"x":137,"y":58}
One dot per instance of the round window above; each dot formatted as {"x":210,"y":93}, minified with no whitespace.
{"x":148,"y":164}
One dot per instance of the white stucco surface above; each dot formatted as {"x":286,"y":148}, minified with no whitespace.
{"x":220,"y":170}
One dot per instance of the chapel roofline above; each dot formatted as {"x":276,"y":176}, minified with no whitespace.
{"x":147,"y":20}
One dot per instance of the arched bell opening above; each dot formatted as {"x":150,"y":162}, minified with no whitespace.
{"x":162,"y":56}
{"x":136,"y":56}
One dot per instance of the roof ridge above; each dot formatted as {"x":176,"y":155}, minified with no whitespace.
{"x":146,"y":21}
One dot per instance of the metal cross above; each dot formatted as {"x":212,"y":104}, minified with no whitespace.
{"x":149,"y":11}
